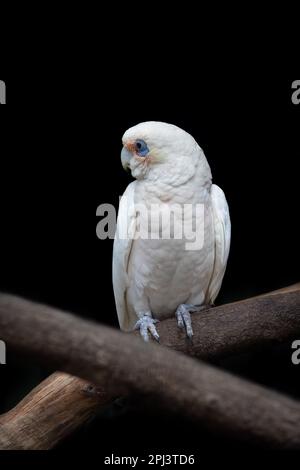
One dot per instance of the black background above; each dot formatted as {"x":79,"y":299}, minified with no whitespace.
{"x":60,"y":159}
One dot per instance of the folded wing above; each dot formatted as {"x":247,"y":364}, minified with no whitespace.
{"x":126,"y":227}
{"x":222,"y":229}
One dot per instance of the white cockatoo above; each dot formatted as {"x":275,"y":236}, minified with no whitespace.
{"x":156,"y":277}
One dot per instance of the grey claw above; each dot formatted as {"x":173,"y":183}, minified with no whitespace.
{"x":146,"y":324}
{"x":184,"y":320}
{"x":180,"y":321}
{"x":154,"y":332}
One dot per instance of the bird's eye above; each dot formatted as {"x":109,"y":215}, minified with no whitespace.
{"x":141,"y":148}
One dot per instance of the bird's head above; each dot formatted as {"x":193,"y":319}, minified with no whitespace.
{"x":151,"y":149}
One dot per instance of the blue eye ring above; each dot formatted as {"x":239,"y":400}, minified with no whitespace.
{"x":141,"y":148}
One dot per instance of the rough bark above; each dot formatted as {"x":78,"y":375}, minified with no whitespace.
{"x":122,"y":363}
{"x":51,"y":412}
{"x":238,"y":327}
{"x":229,"y":329}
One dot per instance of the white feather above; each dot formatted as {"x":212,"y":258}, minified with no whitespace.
{"x":222,"y":232}
{"x":121,"y":255}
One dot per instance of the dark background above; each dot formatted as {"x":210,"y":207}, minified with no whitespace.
{"x":60,"y":159}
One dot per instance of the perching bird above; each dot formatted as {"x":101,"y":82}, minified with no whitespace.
{"x":154,"y":279}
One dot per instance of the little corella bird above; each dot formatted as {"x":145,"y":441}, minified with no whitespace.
{"x":154,"y":276}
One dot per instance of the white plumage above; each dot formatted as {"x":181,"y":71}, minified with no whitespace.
{"x":154,"y":279}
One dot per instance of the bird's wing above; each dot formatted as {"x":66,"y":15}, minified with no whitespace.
{"x":222,"y":230}
{"x":126,"y":227}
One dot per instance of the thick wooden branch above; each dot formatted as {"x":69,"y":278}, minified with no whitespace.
{"x":238,"y":327}
{"x":51,"y":412}
{"x":122,"y":363}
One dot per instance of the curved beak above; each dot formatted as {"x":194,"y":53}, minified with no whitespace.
{"x":126,"y":156}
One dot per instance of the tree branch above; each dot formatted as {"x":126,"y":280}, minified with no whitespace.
{"x":238,"y":327}
{"x":51,"y":412}
{"x":123,"y":363}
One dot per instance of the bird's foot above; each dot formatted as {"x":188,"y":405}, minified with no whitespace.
{"x":146,"y":324}
{"x":183,"y":315}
